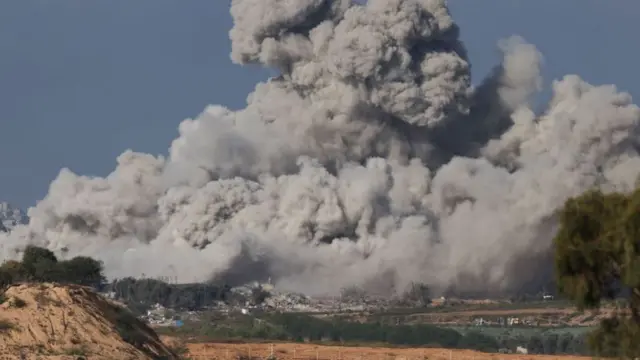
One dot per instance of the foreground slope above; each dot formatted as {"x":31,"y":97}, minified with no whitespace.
{"x":55,"y":321}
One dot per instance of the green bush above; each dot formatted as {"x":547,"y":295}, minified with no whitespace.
{"x":82,"y":270}
{"x":41,"y":265}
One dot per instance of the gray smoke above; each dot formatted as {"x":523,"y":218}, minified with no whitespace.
{"x":371,"y":161}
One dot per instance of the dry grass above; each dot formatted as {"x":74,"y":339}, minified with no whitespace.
{"x":290,"y":351}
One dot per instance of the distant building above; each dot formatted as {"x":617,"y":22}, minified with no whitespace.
{"x":480,"y":322}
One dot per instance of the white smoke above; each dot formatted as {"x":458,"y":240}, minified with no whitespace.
{"x":369,"y":161}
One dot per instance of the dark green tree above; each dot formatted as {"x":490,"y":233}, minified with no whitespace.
{"x":34,"y":254}
{"x":535,"y":345}
{"x":478,"y":341}
{"x":597,"y":257}
{"x":83,"y":270}
{"x":40,"y":264}
{"x":550,"y":344}
{"x":564,"y":344}
{"x":14,"y":270}
{"x":5,"y":279}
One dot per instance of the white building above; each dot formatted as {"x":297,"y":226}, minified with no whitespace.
{"x":521,"y":350}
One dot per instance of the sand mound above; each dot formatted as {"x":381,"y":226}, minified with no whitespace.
{"x":56,"y":321}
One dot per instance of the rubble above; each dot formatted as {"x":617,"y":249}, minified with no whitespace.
{"x":264,"y":298}
{"x":294,"y":302}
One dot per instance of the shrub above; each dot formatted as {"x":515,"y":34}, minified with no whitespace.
{"x":77,"y":351}
{"x":128,"y":327}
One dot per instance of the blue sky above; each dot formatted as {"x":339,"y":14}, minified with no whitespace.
{"x":82,"y":81}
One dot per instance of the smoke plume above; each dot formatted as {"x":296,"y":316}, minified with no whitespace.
{"x":370,"y":160}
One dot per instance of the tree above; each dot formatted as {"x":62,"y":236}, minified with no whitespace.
{"x":83,"y":270}
{"x":14,"y":269}
{"x":478,"y":341}
{"x":535,"y":345}
{"x":5,"y":280}
{"x":597,"y":257}
{"x":34,"y":254}
{"x":40,"y":264}
{"x":550,"y":344}
{"x":564,"y":344}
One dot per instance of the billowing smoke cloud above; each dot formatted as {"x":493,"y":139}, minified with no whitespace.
{"x":370,"y":161}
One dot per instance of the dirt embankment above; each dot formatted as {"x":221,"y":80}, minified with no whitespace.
{"x":49,"y":321}
{"x":290,"y":351}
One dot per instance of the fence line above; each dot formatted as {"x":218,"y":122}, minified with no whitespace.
{"x":279,"y":352}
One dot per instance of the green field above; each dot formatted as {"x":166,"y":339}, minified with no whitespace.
{"x":303,"y":328}
{"x":553,"y":304}
{"x":512,"y":331}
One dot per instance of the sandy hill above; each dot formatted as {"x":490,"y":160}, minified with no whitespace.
{"x":49,"y":321}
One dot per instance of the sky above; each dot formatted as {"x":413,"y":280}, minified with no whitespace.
{"x":82,"y":81}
